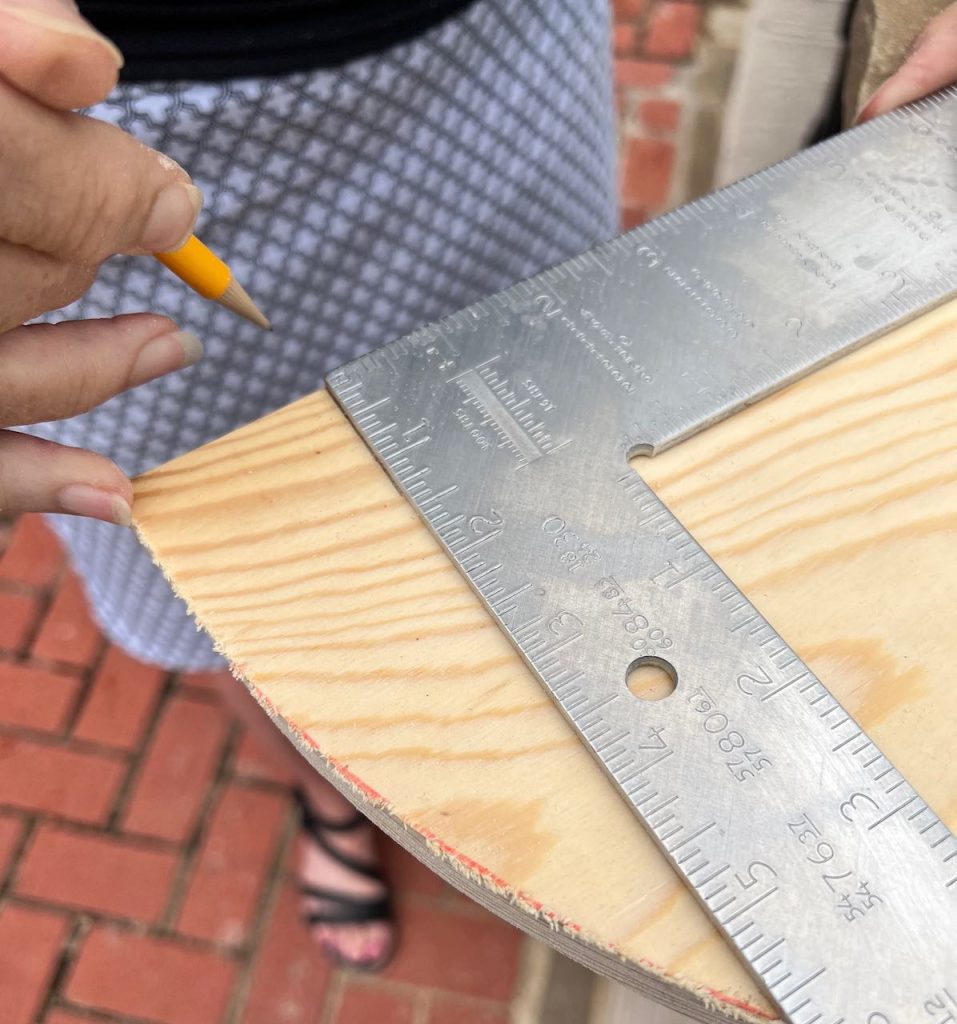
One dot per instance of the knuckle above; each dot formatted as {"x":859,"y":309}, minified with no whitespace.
{"x":83,"y":223}
{"x":100,"y":189}
{"x":89,"y":223}
{"x":59,"y":284}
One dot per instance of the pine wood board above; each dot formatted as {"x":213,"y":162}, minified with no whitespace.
{"x":833,"y":504}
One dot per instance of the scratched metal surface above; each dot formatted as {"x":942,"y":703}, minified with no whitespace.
{"x":508,"y":426}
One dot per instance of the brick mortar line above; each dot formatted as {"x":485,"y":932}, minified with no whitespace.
{"x":29,"y":660}
{"x":421,"y":1005}
{"x":96,"y":1016}
{"x":153,"y":844}
{"x":269,"y":899}
{"x":137,"y":756}
{"x":87,"y":679}
{"x":21,"y":589}
{"x":13,"y":868}
{"x":193,"y":845}
{"x":78,"y":930}
{"x":144,"y":843}
{"x":150,"y":930}
{"x":432,"y":992}
{"x":54,"y":665}
{"x":43,"y":737}
{"x":640,"y":23}
{"x":333,"y":1000}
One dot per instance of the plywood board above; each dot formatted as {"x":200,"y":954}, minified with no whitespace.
{"x":832,"y":504}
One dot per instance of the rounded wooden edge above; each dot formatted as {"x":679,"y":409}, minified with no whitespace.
{"x":495,"y":895}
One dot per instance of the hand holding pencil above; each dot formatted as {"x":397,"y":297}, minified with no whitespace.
{"x":74,"y":191}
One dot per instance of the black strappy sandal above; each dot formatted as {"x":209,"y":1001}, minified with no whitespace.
{"x":337,"y":908}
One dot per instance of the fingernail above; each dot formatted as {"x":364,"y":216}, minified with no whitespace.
{"x":172,"y":218}
{"x":866,"y":111}
{"x":86,"y":500}
{"x":164,"y":354}
{"x":65,"y":25}
{"x":893,"y":93}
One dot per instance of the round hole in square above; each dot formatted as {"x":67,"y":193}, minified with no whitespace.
{"x":651,"y":678}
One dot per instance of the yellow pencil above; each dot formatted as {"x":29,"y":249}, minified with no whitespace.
{"x":206,"y":273}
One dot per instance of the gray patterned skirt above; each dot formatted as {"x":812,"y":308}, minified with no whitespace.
{"x":354,"y":204}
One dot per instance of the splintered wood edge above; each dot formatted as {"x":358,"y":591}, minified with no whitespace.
{"x":483,"y":886}
{"x":478,"y":882}
{"x":498,"y":897}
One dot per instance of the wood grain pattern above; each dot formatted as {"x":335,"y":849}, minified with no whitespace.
{"x":832,"y":504}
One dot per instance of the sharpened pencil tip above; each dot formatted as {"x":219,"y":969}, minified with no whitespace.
{"x":237,"y":299}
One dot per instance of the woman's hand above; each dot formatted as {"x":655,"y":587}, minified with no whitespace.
{"x":73,"y":191}
{"x":931,"y":65}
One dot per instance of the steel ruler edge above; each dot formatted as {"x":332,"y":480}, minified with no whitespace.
{"x":508,"y":427}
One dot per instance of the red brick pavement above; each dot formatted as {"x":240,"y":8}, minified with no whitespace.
{"x":145,"y":850}
{"x":146,"y":840}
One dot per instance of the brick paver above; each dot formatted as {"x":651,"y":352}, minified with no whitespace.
{"x":57,"y":780}
{"x":231,"y":869}
{"x":31,"y":942}
{"x":178,"y":768}
{"x":68,"y":633}
{"x":288,"y":980}
{"x":659,"y":115}
{"x":672,"y":30}
{"x":35,"y":698}
{"x":363,"y":1004}
{"x":145,"y":854}
{"x":18,"y":612}
{"x":121,"y":703}
{"x":134,"y":975}
{"x":252,"y":760}
{"x":93,"y":871}
{"x":32,"y":557}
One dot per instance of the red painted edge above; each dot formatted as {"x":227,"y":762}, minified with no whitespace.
{"x":474,"y":865}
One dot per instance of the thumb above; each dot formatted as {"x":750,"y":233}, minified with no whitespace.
{"x":932,"y":64}
{"x":50,"y":52}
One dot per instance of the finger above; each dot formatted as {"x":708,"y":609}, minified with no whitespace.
{"x":50,"y":52}
{"x":931,"y":65}
{"x":79,"y":189}
{"x":32,"y":282}
{"x":41,"y":476}
{"x":54,"y":371}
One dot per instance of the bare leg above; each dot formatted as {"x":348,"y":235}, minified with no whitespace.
{"x":355,"y":943}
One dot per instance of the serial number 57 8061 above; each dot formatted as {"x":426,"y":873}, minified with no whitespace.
{"x":746,"y":760}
